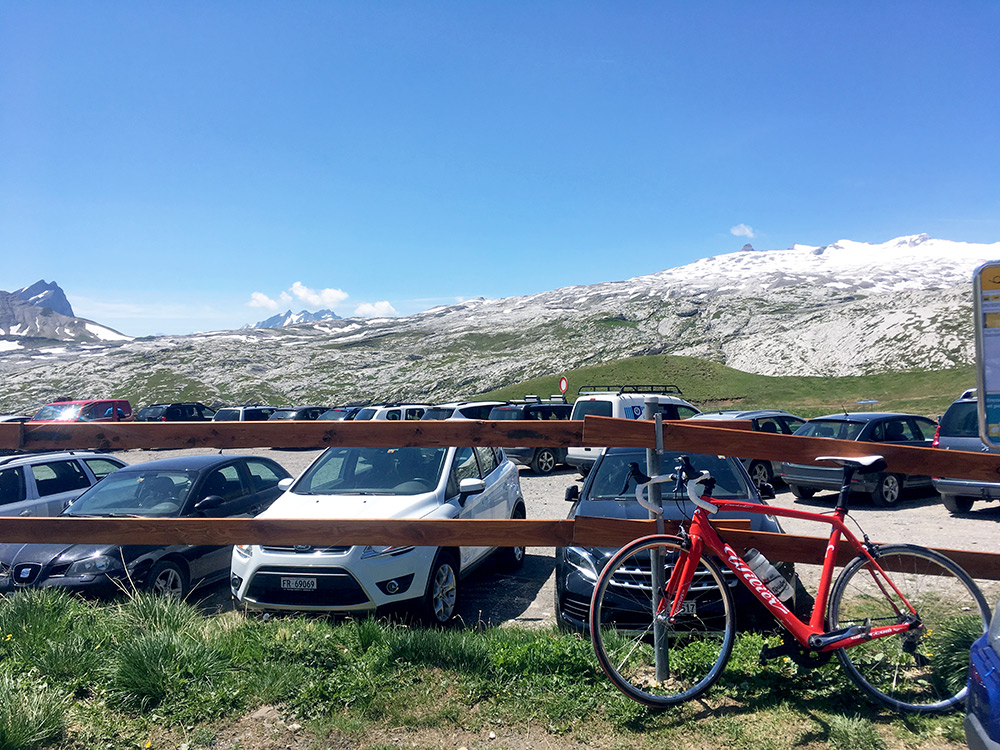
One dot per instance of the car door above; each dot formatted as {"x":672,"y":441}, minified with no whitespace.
{"x":262,"y":477}
{"x":57,"y":484}
{"x":466,"y":466}
{"x":16,"y":497}
{"x":228,"y":483}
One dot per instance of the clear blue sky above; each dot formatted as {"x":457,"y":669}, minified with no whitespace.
{"x":163,"y":162}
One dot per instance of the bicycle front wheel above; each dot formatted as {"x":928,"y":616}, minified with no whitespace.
{"x":650,"y":659}
{"x":923,"y":670}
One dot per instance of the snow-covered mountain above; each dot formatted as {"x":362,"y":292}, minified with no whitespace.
{"x":40,"y":313}
{"x":843,"y":309}
{"x":288,"y":318}
{"x":46,"y":294}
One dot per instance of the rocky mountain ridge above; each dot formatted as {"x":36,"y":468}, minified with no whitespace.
{"x":41,"y":314}
{"x":288,"y":318}
{"x":843,"y":309}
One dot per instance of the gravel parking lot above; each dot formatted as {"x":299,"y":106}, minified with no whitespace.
{"x":527,"y":597}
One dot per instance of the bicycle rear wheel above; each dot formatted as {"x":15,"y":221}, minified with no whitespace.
{"x":694,"y":648}
{"x":923,"y":670}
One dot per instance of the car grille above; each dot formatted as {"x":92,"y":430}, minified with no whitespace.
{"x":576,"y":607}
{"x":306,"y":549}
{"x":640,"y":578}
{"x":26,"y":573}
{"x":335,"y":587}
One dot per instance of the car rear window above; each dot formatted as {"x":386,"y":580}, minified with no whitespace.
{"x":961,"y":420}
{"x":591,"y":408}
{"x":439,"y":413}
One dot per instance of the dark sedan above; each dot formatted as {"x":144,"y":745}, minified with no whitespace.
{"x":886,"y":488}
{"x":609,"y":492}
{"x":214,"y":486}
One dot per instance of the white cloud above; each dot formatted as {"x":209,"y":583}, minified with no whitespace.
{"x":257,"y":299}
{"x":378,"y":310}
{"x":742,"y":230}
{"x":318,"y":298}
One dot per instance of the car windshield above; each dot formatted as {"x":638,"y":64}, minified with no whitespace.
{"x":582,"y":409}
{"x":152,"y":412}
{"x":58,"y":413}
{"x":832,"y":428}
{"x":136,"y":493}
{"x":334,"y":414}
{"x":439,"y":412}
{"x":613,"y":481}
{"x":284,"y":414}
{"x":373,"y":471}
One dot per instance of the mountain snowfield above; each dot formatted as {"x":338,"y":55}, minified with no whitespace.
{"x":843,"y":309}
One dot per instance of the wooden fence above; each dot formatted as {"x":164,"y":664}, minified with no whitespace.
{"x":729,"y":438}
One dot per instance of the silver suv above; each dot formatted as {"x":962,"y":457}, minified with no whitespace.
{"x":43,"y":484}
{"x":959,"y":431}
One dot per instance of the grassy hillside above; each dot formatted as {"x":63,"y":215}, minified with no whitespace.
{"x":714,"y":386}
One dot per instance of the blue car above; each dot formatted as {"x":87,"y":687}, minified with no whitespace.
{"x":982,"y":720}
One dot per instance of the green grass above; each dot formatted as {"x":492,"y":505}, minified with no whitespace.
{"x":76,"y":674}
{"x":711,"y":386}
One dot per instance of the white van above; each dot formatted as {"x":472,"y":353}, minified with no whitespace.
{"x":623,"y":402}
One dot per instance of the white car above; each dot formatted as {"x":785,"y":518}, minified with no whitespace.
{"x":391,"y":412}
{"x":414,"y":482}
{"x":462,"y":410}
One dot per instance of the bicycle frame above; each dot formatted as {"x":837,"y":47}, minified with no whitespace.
{"x":702,"y":536}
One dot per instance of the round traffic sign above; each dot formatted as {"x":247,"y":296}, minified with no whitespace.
{"x":563,"y":384}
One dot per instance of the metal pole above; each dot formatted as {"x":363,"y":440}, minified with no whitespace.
{"x":660,"y":650}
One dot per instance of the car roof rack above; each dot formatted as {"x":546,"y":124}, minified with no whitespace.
{"x":620,"y":389}
{"x":41,"y":453}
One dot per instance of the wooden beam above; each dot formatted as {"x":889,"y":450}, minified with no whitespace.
{"x":696,"y":437}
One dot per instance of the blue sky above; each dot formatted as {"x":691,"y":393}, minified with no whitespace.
{"x":170,"y":163}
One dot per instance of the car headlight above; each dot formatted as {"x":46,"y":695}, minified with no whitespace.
{"x":93,"y":566}
{"x":378,"y":550}
{"x":583,"y":561}
{"x":244,"y":550}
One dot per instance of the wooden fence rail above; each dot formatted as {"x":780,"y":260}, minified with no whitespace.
{"x":727,"y":438}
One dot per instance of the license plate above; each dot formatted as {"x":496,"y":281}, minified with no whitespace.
{"x":298,"y":584}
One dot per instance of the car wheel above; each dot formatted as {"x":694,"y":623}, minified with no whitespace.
{"x":512,"y":558}
{"x":441,"y":598}
{"x":167,"y":579}
{"x":802,"y":493}
{"x":544,"y":461}
{"x":888,"y":490}
{"x":957,"y":503}
{"x":760,"y":473}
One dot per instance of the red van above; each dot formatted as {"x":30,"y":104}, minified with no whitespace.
{"x":103,"y":410}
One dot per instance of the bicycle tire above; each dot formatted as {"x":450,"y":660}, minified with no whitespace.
{"x":698,"y":643}
{"x":923,"y":670}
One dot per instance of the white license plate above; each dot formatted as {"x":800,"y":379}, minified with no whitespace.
{"x":298,"y":584}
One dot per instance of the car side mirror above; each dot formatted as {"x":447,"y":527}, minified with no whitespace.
{"x":211,"y":502}
{"x":470,"y":486}
{"x":572,"y":493}
{"x":285,"y":483}
{"x":766,"y":491}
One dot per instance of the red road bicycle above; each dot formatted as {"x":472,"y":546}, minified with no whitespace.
{"x":899,"y":617}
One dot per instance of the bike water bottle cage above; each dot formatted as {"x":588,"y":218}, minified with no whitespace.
{"x":695,"y":494}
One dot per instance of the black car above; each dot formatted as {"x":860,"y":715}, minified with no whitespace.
{"x":542,"y":460}
{"x":885,"y":488}
{"x":959,"y":431}
{"x":189,"y":411}
{"x":609,"y":492}
{"x":340,"y":413}
{"x":214,"y":486}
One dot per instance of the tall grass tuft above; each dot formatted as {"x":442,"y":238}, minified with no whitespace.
{"x":143,"y":612}
{"x":848,"y":733}
{"x":30,"y":715}
{"x":153,"y":667}
{"x":949,"y":645}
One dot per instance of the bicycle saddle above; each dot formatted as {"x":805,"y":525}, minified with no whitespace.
{"x":864,"y":463}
